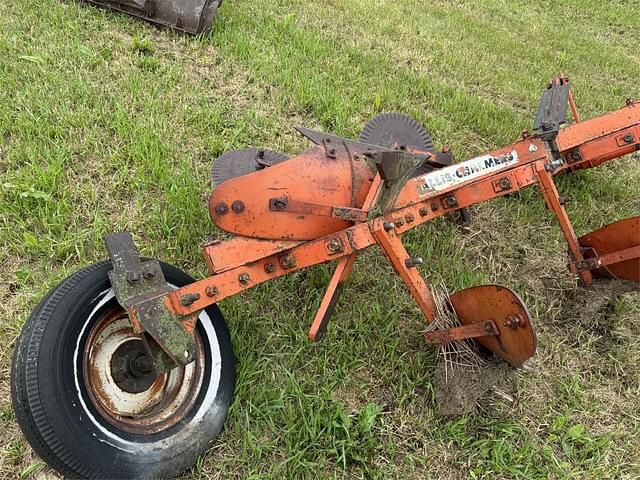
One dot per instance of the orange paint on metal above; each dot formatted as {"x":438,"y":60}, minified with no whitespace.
{"x":394,"y":250}
{"x":304,"y":255}
{"x":314,"y":178}
{"x":598,"y":127}
{"x":340,"y":274}
{"x":222,"y":256}
{"x":454,"y":334}
{"x":309,"y":177}
{"x":528,"y":150}
{"x":552,"y":199}
{"x":621,"y":238}
{"x":345,"y":264}
{"x":572,"y":106}
{"x":516,"y":341}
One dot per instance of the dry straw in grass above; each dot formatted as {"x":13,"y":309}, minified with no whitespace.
{"x":459,"y":355}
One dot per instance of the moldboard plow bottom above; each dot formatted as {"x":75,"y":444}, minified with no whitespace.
{"x":132,"y":358}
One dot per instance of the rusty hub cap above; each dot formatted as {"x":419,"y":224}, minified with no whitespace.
{"x":122,"y":383}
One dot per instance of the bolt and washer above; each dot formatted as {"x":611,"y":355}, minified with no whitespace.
{"x":189,"y":298}
{"x":413,"y":262}
{"x":211,"y":291}
{"x":222,"y":208}
{"x":237,"y":206}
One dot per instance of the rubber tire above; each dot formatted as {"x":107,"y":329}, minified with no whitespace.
{"x":58,"y":419}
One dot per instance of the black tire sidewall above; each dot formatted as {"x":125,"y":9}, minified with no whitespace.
{"x":71,"y":432}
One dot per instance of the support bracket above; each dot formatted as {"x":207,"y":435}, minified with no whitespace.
{"x":141,"y":289}
{"x":471,"y":330}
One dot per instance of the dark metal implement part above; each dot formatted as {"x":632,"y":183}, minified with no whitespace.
{"x":189,"y":16}
{"x":140,"y":288}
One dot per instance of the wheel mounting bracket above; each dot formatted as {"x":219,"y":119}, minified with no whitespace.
{"x":140,"y":288}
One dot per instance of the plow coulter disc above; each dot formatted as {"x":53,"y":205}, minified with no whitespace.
{"x":236,"y":163}
{"x":516,"y":339}
{"x":389,"y":129}
{"x":612,"y":238}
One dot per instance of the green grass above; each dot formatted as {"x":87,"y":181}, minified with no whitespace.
{"x":108,"y":123}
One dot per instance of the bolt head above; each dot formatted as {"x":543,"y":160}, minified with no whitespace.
{"x":222,"y":208}
{"x":133,"y":277}
{"x":148,"y":274}
{"x":211,"y":291}
{"x":628,"y":138}
{"x":238,"y":206}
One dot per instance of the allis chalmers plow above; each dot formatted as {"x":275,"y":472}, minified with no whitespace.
{"x":150,"y":367}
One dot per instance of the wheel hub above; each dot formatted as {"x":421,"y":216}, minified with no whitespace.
{"x":131,"y":368}
{"x":123,"y":384}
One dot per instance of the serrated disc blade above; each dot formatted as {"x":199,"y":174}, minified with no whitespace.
{"x":236,"y":163}
{"x":389,"y":128}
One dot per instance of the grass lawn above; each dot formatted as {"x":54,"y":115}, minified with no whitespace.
{"x":108,"y":123}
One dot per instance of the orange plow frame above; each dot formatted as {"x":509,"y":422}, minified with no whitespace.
{"x":376,"y":214}
{"x":596,"y":141}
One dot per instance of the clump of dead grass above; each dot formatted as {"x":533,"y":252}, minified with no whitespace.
{"x":459,"y":355}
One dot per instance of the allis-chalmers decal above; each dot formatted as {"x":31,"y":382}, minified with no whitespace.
{"x":461,"y":172}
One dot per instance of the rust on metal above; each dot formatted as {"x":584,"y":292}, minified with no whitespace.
{"x":342,"y":196}
{"x":454,"y":334}
{"x":614,"y":250}
{"x":306,"y":178}
{"x":504,"y":307}
{"x":123,"y":385}
{"x":190,"y":16}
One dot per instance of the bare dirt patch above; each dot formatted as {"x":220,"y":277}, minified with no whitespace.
{"x":458,"y":392}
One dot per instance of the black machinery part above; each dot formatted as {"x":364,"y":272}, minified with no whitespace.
{"x":236,"y":163}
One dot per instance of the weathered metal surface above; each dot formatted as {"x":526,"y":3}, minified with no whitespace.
{"x":122,"y":384}
{"x":395,"y":129}
{"x":340,"y":275}
{"x":140,"y":288}
{"x":311,"y":177}
{"x":190,"y":16}
{"x":395,"y":168}
{"x":615,"y":237}
{"x":454,"y":334}
{"x":222,"y":256}
{"x":414,"y":205}
{"x":552,"y":111}
{"x":516,"y":339}
{"x":236,"y":163}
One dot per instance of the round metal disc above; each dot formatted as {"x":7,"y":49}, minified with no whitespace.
{"x":516,"y":341}
{"x":236,"y":163}
{"x":612,"y":238}
{"x":389,"y":128}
